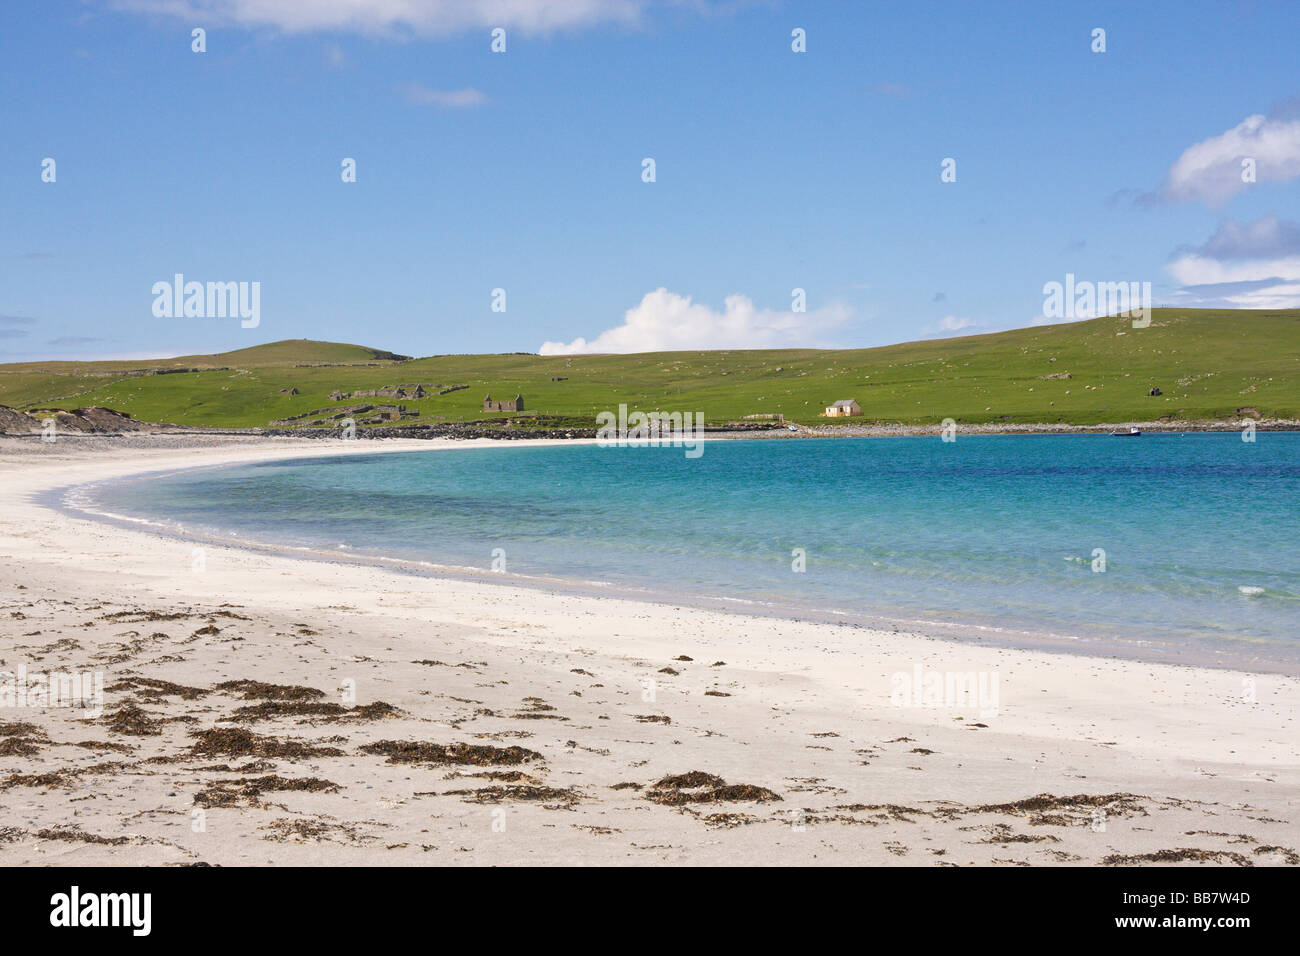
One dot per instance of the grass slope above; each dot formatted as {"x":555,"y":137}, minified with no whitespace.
{"x":1207,"y":363}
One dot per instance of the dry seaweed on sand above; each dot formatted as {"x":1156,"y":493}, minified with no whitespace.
{"x":59,"y":778}
{"x":887,"y":811}
{"x":230,"y":793}
{"x":150,"y":687}
{"x":19,"y":728}
{"x":257,"y":690}
{"x":536,"y":709}
{"x":566,"y":797}
{"x":1001,"y":833}
{"x":139,"y":615}
{"x":253,"y":766}
{"x":414,"y":751}
{"x":728,"y":821}
{"x":104,"y":745}
{"x":21,"y":739}
{"x":303,"y":830}
{"x":1038,"y":808}
{"x":238,"y":742}
{"x":700,"y":787}
{"x":1046,"y":801}
{"x":77,"y":835}
{"x":534,"y":715}
{"x":688,"y":781}
{"x":19,"y":747}
{"x":1180,"y":855}
{"x":133,"y":721}
{"x":313,"y":710}
{"x":468,"y":665}
{"x":1292,"y":858}
{"x":500,"y":776}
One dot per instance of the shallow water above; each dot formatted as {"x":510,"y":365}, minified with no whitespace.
{"x":980,"y":537}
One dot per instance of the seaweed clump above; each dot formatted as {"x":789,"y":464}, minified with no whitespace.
{"x":231,"y":793}
{"x":414,"y":751}
{"x":257,"y":690}
{"x":700,"y":787}
{"x":238,"y":742}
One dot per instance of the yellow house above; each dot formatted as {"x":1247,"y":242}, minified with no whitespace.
{"x":843,"y":409}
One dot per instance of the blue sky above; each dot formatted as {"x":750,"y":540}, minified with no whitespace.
{"x":522,"y":170}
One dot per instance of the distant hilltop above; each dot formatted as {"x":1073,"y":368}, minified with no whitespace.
{"x":1188,"y":365}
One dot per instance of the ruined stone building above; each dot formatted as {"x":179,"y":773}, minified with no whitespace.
{"x":492,"y":405}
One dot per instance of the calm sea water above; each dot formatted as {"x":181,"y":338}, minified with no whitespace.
{"x":985,"y":538}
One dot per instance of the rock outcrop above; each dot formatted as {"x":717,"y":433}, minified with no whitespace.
{"x":94,"y":420}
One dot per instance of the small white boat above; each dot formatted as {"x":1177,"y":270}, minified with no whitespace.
{"x":1132,"y":432}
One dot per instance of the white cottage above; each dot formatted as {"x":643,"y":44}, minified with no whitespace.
{"x":843,"y":409}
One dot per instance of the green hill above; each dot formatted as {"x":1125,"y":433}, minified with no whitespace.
{"x":1207,"y":364}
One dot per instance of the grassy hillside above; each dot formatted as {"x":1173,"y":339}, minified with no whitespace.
{"x":1208,"y":364}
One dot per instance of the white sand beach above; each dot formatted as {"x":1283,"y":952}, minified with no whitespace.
{"x":229,"y":737}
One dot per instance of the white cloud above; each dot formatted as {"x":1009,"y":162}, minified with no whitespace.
{"x":1251,"y":266}
{"x":957,"y":325}
{"x":665,"y":321}
{"x":447,"y":99}
{"x":1211,"y":170}
{"x":951,"y":323}
{"x":1201,"y":270}
{"x":425,"y":17}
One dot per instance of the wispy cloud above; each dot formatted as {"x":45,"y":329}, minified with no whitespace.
{"x":951,"y":323}
{"x":444,"y":99}
{"x":666,"y":321}
{"x":955,"y":325}
{"x":86,"y":356}
{"x":890,"y":89}
{"x":1265,"y":238}
{"x":393,"y":17}
{"x":10,"y":326}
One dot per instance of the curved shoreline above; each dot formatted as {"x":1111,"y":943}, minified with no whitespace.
{"x":970,"y":632}
{"x":611,"y":693}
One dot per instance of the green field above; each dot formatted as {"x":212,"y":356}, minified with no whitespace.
{"x":1208,"y":365}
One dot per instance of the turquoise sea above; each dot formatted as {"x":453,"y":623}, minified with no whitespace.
{"x":995,"y":539}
